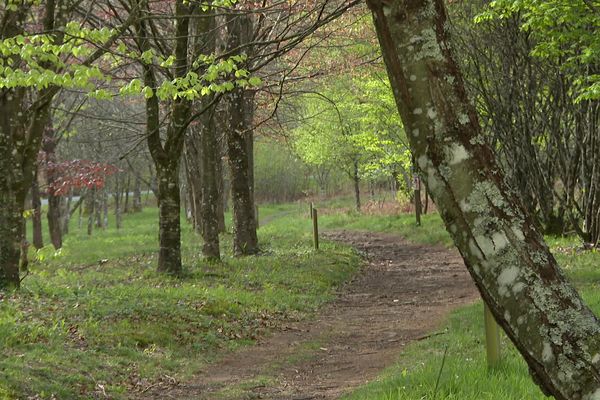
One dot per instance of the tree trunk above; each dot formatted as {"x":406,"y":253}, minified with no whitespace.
{"x":127,"y":186}
{"x":117,"y":196}
{"x":80,"y":219}
{"x":54,"y":219}
{"x":169,"y":235}
{"x":518,"y":277}
{"x":67,"y":213}
{"x":137,"y":195}
{"x":24,"y":261}
{"x":223,"y":194}
{"x":193,"y":162}
{"x":49,"y":143}
{"x":36,"y":218}
{"x":167,"y":157}
{"x":98,"y":209}
{"x":210,"y":193}
{"x":105,"y":208}
{"x":220,"y":122}
{"x":356,"y":180}
{"x":91,"y":198}
{"x":245,"y":240}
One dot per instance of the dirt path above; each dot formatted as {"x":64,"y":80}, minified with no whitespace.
{"x":402,"y":294}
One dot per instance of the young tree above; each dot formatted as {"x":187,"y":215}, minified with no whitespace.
{"x":518,"y":277}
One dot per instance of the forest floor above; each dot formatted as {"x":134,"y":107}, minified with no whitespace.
{"x":403,"y":293}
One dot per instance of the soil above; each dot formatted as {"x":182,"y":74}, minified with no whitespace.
{"x":403,"y":293}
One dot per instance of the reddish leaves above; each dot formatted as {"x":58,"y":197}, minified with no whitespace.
{"x":77,"y":174}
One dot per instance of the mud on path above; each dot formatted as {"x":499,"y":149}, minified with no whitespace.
{"x":402,"y":294}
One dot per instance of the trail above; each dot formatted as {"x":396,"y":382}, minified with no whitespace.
{"x":403,"y":294}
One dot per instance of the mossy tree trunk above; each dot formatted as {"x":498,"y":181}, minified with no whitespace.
{"x":518,"y":277}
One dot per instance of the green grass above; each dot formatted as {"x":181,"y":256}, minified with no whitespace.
{"x":98,"y":318}
{"x":431,"y":230}
{"x":465,"y":375}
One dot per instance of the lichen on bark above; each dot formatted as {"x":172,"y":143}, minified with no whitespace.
{"x":519,"y":279}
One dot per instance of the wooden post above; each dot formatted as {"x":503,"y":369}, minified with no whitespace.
{"x":492,"y":337}
{"x":312,"y":206}
{"x":256,"y":216}
{"x":315,"y":220}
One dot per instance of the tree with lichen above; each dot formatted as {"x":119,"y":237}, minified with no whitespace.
{"x":544,"y":316}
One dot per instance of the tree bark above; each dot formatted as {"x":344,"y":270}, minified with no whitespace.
{"x":245,"y":240}
{"x":67,"y":213}
{"x":127,"y":186}
{"x":36,"y":218}
{"x":137,"y":194}
{"x":518,"y":277}
{"x":104,"y":208}
{"x":167,"y":156}
{"x":91,"y":200}
{"x":193,"y":162}
{"x":49,"y":144}
{"x":117,"y":196}
{"x":210,"y":193}
{"x":169,"y":256}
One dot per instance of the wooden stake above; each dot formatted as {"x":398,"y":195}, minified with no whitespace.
{"x":256,"y":216}
{"x":492,"y":337}
{"x":312,"y":206}
{"x":315,"y":220}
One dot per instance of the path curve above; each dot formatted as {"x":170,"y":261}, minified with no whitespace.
{"x":402,"y":294}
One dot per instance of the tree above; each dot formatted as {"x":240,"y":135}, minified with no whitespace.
{"x":541,"y":130}
{"x":353,"y":126}
{"x":566,"y":31}
{"x":43,"y":52}
{"x":518,"y":277}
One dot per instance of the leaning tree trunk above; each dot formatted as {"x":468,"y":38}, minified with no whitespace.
{"x":518,"y":277}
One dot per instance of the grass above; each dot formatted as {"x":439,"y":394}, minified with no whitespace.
{"x":98,"y":320}
{"x":465,"y":375}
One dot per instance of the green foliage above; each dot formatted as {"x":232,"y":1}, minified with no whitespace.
{"x":566,"y":32}
{"x":353,"y":120}
{"x":38,"y":61}
{"x":100,"y":319}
